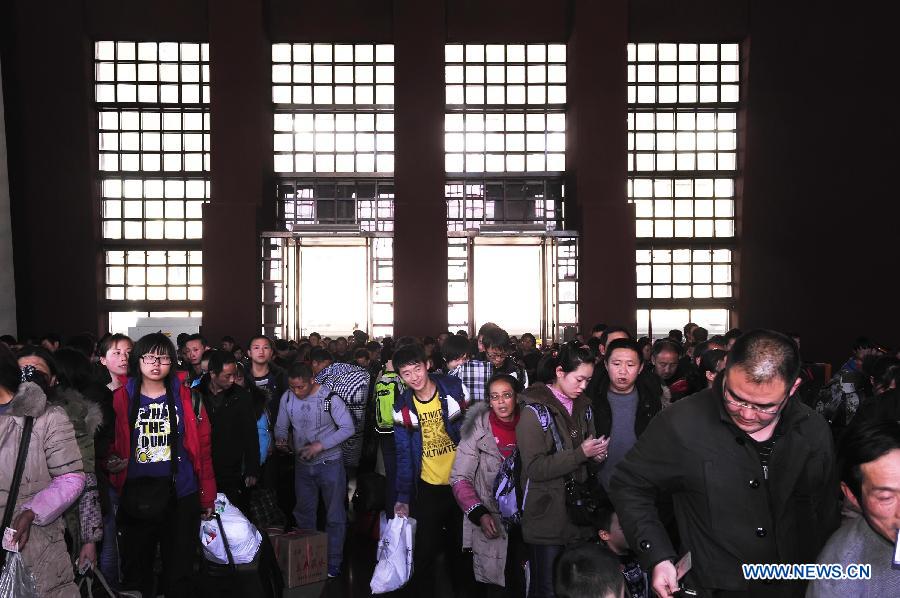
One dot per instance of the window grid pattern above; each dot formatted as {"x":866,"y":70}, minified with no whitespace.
{"x":509,"y":201}
{"x":153,"y":122}
{"x":164,"y":141}
{"x":273,"y":284}
{"x":367,"y":203}
{"x":505,"y":108}
{"x":566,"y":284}
{"x":333,"y":108}
{"x":682,"y":161}
{"x":153,"y":208}
{"x":168,"y":73}
{"x":458,"y":283}
{"x":137,"y":275}
{"x":382,"y":304}
{"x":687,"y":273}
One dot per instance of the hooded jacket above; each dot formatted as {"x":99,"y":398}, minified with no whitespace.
{"x":545,"y":520}
{"x":196,"y":440}
{"x":51,"y":481}
{"x":477,"y":462}
{"x":408,"y":435}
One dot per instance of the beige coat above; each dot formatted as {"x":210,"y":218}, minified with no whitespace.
{"x":52,"y":448}
{"x":478,"y":460}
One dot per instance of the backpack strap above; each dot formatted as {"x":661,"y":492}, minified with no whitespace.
{"x":327,"y":403}
{"x":546,"y":420}
{"x":13,"y":494}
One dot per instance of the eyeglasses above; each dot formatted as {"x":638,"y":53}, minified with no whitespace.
{"x":744,"y":405}
{"x":154,"y":359}
{"x":496,"y":396}
{"x":495,"y":354}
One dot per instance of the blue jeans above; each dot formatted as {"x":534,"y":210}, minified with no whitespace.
{"x":331,"y":480}
{"x":109,"y":549}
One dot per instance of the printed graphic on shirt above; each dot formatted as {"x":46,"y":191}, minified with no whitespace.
{"x":152,"y":427}
{"x":438,"y":450}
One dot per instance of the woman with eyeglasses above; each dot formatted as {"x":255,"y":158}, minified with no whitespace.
{"x":163,"y":471}
{"x":488,"y":438}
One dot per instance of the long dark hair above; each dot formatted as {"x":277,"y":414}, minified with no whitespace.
{"x":569,"y":357}
{"x":156,"y":342}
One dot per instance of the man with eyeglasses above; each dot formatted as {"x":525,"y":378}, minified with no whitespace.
{"x":496,"y":349}
{"x":750,"y":471}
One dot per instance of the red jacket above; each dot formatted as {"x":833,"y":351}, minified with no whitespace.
{"x":196,"y":443}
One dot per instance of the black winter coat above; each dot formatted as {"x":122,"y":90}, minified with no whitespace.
{"x":235,"y":441}
{"x":727,"y":512}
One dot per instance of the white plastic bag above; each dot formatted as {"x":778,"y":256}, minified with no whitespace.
{"x":16,"y":581}
{"x":243,"y":538}
{"x":395,"y":554}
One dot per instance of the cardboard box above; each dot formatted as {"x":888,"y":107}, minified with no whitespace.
{"x":302,"y":556}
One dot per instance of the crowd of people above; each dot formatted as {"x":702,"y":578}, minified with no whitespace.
{"x":603,"y":466}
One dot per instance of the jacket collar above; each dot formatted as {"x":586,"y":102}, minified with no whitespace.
{"x":29,"y":401}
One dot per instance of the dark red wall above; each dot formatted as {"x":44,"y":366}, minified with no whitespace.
{"x":817,"y":195}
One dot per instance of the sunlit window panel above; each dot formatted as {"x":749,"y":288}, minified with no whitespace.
{"x":333,"y":108}
{"x":458,"y":284}
{"x":135,"y":208}
{"x":684,"y":273}
{"x":154,"y":275}
{"x":369,"y":203}
{"x":168,"y":73}
{"x":153,"y":140}
{"x":683,"y":106}
{"x":656,"y":323}
{"x":506,"y":108}
{"x":471,"y":203}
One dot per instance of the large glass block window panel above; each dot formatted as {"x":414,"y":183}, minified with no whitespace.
{"x":164,"y":141}
{"x":127,"y":72}
{"x":458,"y":279}
{"x":506,"y":108}
{"x":333,"y":108}
{"x":656,"y":323}
{"x":154,"y":275}
{"x":685,"y":273}
{"x":686,"y":208}
{"x":337,"y":201}
{"x":683,"y":106}
{"x":153,"y":208}
{"x":471,"y":203}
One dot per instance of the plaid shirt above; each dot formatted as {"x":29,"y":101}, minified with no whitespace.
{"x":351,"y":383}
{"x":474,"y":376}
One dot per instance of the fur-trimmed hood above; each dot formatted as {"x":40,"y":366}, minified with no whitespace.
{"x":29,"y":400}
{"x":474,"y":415}
{"x":76,"y":406}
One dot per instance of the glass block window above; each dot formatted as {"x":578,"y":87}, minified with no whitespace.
{"x":472,"y":203}
{"x":337,"y":201}
{"x":153,"y":128}
{"x":137,"y":275}
{"x":382,"y":304}
{"x":656,"y":323}
{"x":684,"y":273}
{"x":153,"y":141}
{"x":153,"y":208}
{"x":168,"y":73}
{"x":683,"y":105}
{"x":458,"y":276}
{"x":505,"y":108}
{"x":333,"y":108}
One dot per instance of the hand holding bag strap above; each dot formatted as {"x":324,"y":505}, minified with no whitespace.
{"x":13,"y":495}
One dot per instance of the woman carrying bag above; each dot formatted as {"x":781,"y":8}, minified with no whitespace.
{"x":50,"y":474}
{"x":488,"y":439}
{"x":161,"y":499}
{"x":555,"y":436}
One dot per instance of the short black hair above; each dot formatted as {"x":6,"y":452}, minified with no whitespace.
{"x":528,"y":335}
{"x":300,"y":370}
{"x":700,"y":334}
{"x":73,"y":368}
{"x":667,"y":344}
{"x":42,"y":353}
{"x":361,"y":352}
{"x":765,"y":355}
{"x":52,"y":337}
{"x":111,"y":340}
{"x":227,"y":339}
{"x":864,"y":441}
{"x":624,"y":343}
{"x":588,"y":570}
{"x":219,"y":359}
{"x":455,"y":347}
{"x":610,"y":329}
{"x":736,"y":332}
{"x":501,"y":377}
{"x":315,"y":334}
{"x":598,"y":328}
{"x":495,"y":338}
{"x":408,"y":355}
{"x":260,"y":336}
{"x":320,"y":354}
{"x":9,"y":339}
{"x":676,"y":335}
{"x":195,"y":337}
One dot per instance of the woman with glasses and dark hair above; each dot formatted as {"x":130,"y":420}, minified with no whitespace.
{"x":488,"y":438}
{"x":162,"y":470}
